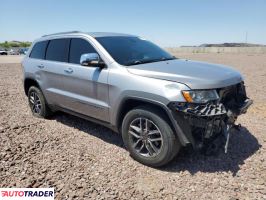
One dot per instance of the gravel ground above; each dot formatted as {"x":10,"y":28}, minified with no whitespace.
{"x":83,"y":160}
{"x":11,"y":59}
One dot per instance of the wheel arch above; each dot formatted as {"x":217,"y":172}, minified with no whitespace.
{"x":132,"y":102}
{"x":28,"y":82}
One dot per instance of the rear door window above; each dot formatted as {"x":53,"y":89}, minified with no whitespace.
{"x":57,"y":50}
{"x":38,"y":50}
{"x":78,"y":47}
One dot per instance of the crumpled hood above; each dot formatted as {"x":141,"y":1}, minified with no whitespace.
{"x":196,"y":75}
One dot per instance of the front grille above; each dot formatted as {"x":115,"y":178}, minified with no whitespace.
{"x":233,"y":96}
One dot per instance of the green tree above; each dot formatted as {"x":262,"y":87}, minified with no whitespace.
{"x":25,"y":44}
{"x":8,"y":45}
{"x":14,"y":44}
{"x":5,"y":45}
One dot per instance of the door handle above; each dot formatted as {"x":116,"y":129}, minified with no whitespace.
{"x":40,"y":66}
{"x":69,"y":70}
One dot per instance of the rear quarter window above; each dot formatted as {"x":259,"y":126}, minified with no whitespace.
{"x":57,"y":50}
{"x":38,"y":50}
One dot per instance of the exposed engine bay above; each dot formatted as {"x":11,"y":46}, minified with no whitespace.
{"x":208,"y":125}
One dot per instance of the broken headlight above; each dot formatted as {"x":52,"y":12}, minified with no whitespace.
{"x":200,"y":96}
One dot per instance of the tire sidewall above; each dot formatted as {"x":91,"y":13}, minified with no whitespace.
{"x":42,"y":100}
{"x":165,"y":129}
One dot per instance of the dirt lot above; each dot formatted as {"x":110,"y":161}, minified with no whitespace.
{"x":83,"y":160}
{"x":11,"y":59}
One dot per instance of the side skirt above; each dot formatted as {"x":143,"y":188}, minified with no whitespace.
{"x":94,"y":120}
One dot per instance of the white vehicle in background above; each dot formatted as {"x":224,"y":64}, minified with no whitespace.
{"x":3,"y":52}
{"x":12,"y":52}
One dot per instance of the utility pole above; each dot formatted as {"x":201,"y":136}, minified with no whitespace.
{"x":246,"y":37}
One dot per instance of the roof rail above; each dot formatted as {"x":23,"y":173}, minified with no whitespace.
{"x":60,"y":33}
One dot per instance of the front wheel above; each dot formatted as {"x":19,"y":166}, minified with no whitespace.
{"x":148,"y":137}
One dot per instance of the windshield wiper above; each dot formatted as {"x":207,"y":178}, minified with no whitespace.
{"x":163,"y":58}
{"x":138,"y":62}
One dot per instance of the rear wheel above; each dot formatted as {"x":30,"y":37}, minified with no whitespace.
{"x":148,"y":137}
{"x":37,"y":102}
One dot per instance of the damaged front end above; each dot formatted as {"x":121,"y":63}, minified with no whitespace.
{"x":207,"y":125}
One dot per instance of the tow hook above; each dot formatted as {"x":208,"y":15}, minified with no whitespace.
{"x":227,"y":135}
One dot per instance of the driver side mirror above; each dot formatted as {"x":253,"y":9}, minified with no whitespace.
{"x":91,"y":59}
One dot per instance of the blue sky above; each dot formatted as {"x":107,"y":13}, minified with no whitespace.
{"x":166,"y":22}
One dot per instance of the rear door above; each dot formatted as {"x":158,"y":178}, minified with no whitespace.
{"x":86,"y":87}
{"x":52,"y":71}
{"x":35,"y":62}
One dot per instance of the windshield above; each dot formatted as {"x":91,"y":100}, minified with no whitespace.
{"x":133,"y":50}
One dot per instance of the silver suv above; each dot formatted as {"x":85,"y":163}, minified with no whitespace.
{"x":158,"y":103}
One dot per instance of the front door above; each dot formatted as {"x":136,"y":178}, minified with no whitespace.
{"x":85,"y":87}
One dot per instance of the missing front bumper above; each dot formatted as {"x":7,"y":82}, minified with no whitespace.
{"x":210,"y":109}
{"x":206,"y":125}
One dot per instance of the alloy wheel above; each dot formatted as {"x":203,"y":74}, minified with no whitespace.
{"x":145,"y":137}
{"x":35,"y":103}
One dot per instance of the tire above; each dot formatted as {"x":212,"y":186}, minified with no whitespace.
{"x":38,"y":104}
{"x":165,"y":145}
